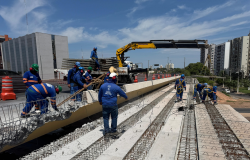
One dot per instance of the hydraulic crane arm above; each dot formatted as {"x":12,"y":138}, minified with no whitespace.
{"x":154,"y":44}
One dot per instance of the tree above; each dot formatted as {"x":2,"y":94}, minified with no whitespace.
{"x":196,"y":68}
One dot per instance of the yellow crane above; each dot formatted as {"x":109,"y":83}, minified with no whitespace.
{"x":154,"y":44}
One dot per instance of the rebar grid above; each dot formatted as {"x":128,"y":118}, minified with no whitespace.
{"x":188,"y":140}
{"x":99,"y":146}
{"x":141,"y":148}
{"x":231,"y":146}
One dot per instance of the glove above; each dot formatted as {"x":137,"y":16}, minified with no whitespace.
{"x":56,"y":109}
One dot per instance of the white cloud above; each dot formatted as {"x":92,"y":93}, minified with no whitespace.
{"x":205,"y":12}
{"x":140,"y":1}
{"x":15,"y":15}
{"x":132,"y":11}
{"x":182,"y":7}
{"x":173,"y":10}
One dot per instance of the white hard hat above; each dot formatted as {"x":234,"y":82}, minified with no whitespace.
{"x":112,"y":75}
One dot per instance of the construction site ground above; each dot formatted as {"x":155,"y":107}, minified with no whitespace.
{"x":239,"y":104}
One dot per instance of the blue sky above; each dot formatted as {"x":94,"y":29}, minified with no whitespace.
{"x":111,"y":24}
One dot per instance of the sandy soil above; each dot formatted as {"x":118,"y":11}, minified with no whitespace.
{"x":235,"y":103}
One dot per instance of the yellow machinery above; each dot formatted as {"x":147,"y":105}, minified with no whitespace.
{"x":154,"y":44}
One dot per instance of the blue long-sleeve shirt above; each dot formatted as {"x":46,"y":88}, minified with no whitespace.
{"x":78,"y":79}
{"x":108,"y":94}
{"x":199,"y":87}
{"x":71,"y":74}
{"x":214,"y":89}
{"x":88,"y":77}
{"x":93,"y":55}
{"x":31,"y":79}
{"x":180,"y":84}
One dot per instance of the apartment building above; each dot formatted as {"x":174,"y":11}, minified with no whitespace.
{"x":221,"y":58}
{"x":239,"y":55}
{"x":211,"y":52}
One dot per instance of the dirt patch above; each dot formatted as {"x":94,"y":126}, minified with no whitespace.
{"x":235,"y":103}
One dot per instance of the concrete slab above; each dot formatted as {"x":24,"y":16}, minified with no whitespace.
{"x":71,"y":149}
{"x":121,"y":147}
{"x":208,"y":143}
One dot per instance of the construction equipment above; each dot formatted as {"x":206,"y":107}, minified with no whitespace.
{"x":154,"y":44}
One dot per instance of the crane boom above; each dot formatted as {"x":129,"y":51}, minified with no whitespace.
{"x":154,"y":44}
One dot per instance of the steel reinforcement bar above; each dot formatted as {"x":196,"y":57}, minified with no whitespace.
{"x":142,"y":146}
{"x":232,"y":147}
{"x":99,"y":146}
{"x":188,"y":141}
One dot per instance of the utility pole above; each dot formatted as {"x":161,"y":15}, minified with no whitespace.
{"x":148,"y":63}
{"x":223,"y":79}
{"x":168,"y":63}
{"x":230,"y":75}
{"x":184,"y":62}
{"x":238,"y":80}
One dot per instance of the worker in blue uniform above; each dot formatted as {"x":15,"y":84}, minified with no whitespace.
{"x":78,"y":84}
{"x":106,"y":78}
{"x":88,"y":78}
{"x":108,"y":99}
{"x":214,"y":92}
{"x":94,"y":57}
{"x":198,"y":88}
{"x":70,"y":80}
{"x":32,"y":77}
{"x":208,"y":92}
{"x":179,"y":85}
{"x":38,"y":93}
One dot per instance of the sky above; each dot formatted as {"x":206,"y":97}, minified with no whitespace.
{"x":111,"y":24}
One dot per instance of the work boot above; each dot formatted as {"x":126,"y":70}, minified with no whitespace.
{"x":215,"y":103}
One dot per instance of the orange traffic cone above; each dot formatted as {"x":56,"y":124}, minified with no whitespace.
{"x":7,"y":89}
{"x":166,"y":76}
{"x":145,"y":78}
{"x":153,"y":78}
{"x":135,"y":81}
{"x":174,"y":75}
{"x":159,"y":76}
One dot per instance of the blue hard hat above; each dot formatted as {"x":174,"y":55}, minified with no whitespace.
{"x":95,"y":47}
{"x":215,"y":86}
{"x":183,"y":75}
{"x":205,"y":84}
{"x":81,"y":68}
{"x":78,"y":64}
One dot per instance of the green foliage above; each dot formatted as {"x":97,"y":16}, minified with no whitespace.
{"x":202,"y":80}
{"x":195,"y":69}
{"x":210,"y":82}
{"x":219,"y":81}
{"x":244,"y":90}
{"x":225,"y":93}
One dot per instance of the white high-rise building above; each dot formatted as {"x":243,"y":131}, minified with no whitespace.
{"x":221,"y":58}
{"x":239,"y":56}
{"x":211,"y":52}
{"x":161,"y":66}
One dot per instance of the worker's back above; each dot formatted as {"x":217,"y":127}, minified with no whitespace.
{"x":30,"y":78}
{"x":180,"y":83}
{"x":108,"y":92}
{"x":45,"y":89}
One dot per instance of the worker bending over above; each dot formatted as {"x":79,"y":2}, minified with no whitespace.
{"x":208,"y":92}
{"x":88,"y":78}
{"x":108,"y":99}
{"x":94,"y":57}
{"x":78,"y":84}
{"x":38,"y":93}
{"x":180,"y":84}
{"x":198,"y":88}
{"x":70,"y":80}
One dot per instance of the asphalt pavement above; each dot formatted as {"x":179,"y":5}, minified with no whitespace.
{"x":234,"y":95}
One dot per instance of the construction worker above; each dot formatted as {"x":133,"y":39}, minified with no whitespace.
{"x":198,"y":87}
{"x":70,"y":80}
{"x":106,"y":77}
{"x":78,"y":84}
{"x":108,"y":99}
{"x":38,"y":93}
{"x":31,"y":77}
{"x":88,"y":78}
{"x":208,"y":92}
{"x":94,"y":57}
{"x":180,"y":84}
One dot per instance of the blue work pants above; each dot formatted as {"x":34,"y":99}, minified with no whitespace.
{"x":78,"y":97}
{"x":96,"y":62}
{"x":179,"y":93}
{"x":211,"y":95}
{"x":33,"y":98}
{"x":106,"y":112}
{"x":72,"y":89}
{"x":195,"y":93}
